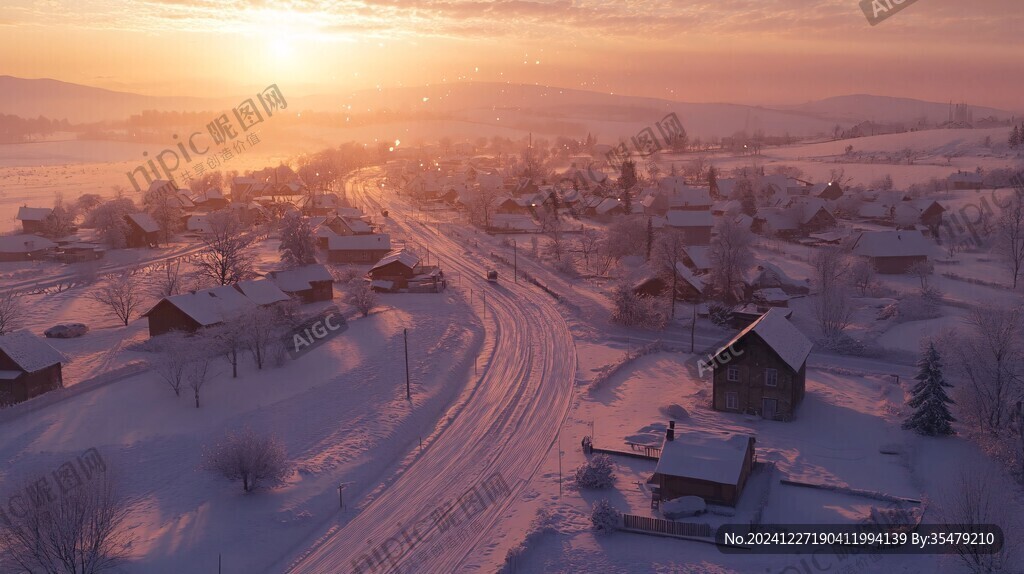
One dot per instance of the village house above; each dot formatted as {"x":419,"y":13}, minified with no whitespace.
{"x":694,"y":225}
{"x":697,"y":258}
{"x":893,"y":252}
{"x":689,"y":287}
{"x":712,"y":465}
{"x":262,"y":292}
{"x":830,"y":191}
{"x":926,"y":212}
{"x":189,"y":312}
{"x":310,"y":283}
{"x":212,"y":199}
{"x":143,"y":230}
{"x":34,"y":219}
{"x":762,"y":370}
{"x":965,"y":180}
{"x":358,"y":248}
{"x":24,"y":247}
{"x":394,"y":270}
{"x":29,"y":367}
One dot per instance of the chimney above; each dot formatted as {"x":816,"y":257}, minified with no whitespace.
{"x":670,"y":434}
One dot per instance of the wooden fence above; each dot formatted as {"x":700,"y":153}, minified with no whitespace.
{"x":649,"y":525}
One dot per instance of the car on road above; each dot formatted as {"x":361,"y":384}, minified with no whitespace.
{"x":492,"y":275}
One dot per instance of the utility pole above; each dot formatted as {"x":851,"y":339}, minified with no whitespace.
{"x":341,"y":499}
{"x":515,"y":261}
{"x":408,"y":391}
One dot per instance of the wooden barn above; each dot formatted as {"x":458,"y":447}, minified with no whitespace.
{"x":143,"y":230}
{"x":762,"y":370}
{"x":310,"y":283}
{"x":894,"y":252}
{"x":713,"y":466}
{"x":395,"y":270}
{"x":689,"y":287}
{"x":364,"y":249}
{"x":189,"y":312}
{"x":34,"y":219}
{"x":28,"y":367}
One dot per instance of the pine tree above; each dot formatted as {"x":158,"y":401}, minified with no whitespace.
{"x":713,"y":181}
{"x":650,"y":236}
{"x":1015,"y":137}
{"x":929,"y":399}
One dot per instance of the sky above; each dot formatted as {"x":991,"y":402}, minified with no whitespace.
{"x":739,"y":51}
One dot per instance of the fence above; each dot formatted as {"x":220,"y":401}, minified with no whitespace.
{"x":648,"y":525}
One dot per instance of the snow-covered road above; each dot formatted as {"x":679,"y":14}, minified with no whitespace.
{"x":446,"y":504}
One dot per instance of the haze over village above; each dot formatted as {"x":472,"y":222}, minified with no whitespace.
{"x":512,"y":287}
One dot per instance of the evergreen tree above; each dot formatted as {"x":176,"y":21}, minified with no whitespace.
{"x":628,"y":178}
{"x":713,"y":181}
{"x":1015,"y":137}
{"x":748,"y":203}
{"x":298,"y":241}
{"x":929,"y":399}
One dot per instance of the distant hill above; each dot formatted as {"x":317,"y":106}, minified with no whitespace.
{"x":885,"y":109}
{"x":539,"y":109}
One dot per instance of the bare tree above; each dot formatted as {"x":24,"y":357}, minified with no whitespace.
{"x":227,"y":258}
{"x":922,"y":270}
{"x":10,"y":311}
{"x":627,"y":236}
{"x":667,"y":254}
{"x":109,"y":220}
{"x":587,"y":243}
{"x":362,"y":297}
{"x":81,"y":532}
{"x":61,"y":220}
{"x":198,"y":369}
{"x":246,"y":456}
{"x":260,"y":331}
{"x":863,"y":275}
{"x":832,"y":307}
{"x":990,"y":357}
{"x":172,"y":361}
{"x":481,"y":205}
{"x":730,"y":257}
{"x":121,"y":294}
{"x":231,"y":338}
{"x":169,"y":278}
{"x":978,"y":498}
{"x":1010,"y":236}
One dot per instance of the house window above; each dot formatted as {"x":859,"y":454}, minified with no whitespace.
{"x":732,"y":400}
{"x":732,"y":373}
{"x":771,"y":377}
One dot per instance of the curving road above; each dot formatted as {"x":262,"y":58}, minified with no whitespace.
{"x":446,"y":503}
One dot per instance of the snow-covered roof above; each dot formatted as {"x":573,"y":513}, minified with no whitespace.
{"x":33,"y":213}
{"x":776,"y":218}
{"x":359,"y":242}
{"x":678,"y":218}
{"x":518,"y":222}
{"x":700,"y":255}
{"x":407,"y":258}
{"x":262,"y":291}
{"x":893,"y":244}
{"x":144,"y":221}
{"x":706,"y":456}
{"x":211,"y":306}
{"x":24,"y":243}
{"x":161,"y":185}
{"x":689,"y":197}
{"x":607,"y":205}
{"x":28,"y":351}
{"x":300,"y":278}
{"x":778,"y":333}
{"x":357,"y":225}
{"x":350,"y":212}
{"x":686,"y":275}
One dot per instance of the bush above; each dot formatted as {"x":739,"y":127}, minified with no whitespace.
{"x":633,"y":310}
{"x":719,"y":313}
{"x":597,"y":473}
{"x":605,"y":518}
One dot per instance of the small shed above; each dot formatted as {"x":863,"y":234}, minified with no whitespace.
{"x":398,"y":267}
{"x":713,"y":466}
{"x":29,"y":366}
{"x":33,"y":219}
{"x":894,"y":252}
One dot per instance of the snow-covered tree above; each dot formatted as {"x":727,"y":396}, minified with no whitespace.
{"x":197,"y":372}
{"x":730,"y":257}
{"x":109,"y":220}
{"x":362,"y":297}
{"x":261,"y":328}
{"x":604,"y":517}
{"x":231,"y":339}
{"x":929,"y":400}
{"x":172,"y":360}
{"x":863,"y":275}
{"x":247,"y":456}
{"x":596,"y":473}
{"x":668,"y":253}
{"x":832,"y":307}
{"x":121,"y":294}
{"x":1010,"y":236}
{"x":298,"y":241}
{"x":635,"y":310}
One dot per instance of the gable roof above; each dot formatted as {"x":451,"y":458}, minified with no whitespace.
{"x":893,"y":244}
{"x":262,"y":291}
{"x":209,"y":306}
{"x":778,"y":333}
{"x":300,"y":278}
{"x":28,"y":351}
{"x":24,"y":243}
{"x":144,"y":222}
{"x":677,"y":218}
{"x":26,"y":213}
{"x":407,"y":258}
{"x":700,"y":255}
{"x":358,"y":242}
{"x":714,"y":457}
